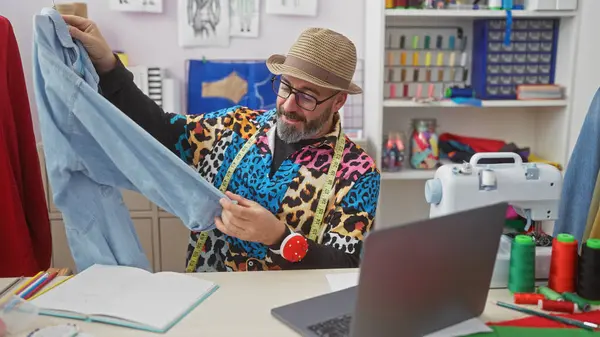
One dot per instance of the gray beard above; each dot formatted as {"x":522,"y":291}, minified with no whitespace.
{"x":289,"y":134}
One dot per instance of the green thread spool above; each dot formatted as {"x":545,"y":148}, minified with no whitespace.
{"x":563,"y":237}
{"x":550,"y":294}
{"x":521,"y":273}
{"x":593,"y":243}
{"x":582,"y":304}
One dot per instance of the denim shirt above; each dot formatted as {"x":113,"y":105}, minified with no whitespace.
{"x":93,"y":150}
{"x":580,"y":177}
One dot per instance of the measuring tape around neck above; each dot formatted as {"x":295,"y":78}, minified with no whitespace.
{"x":321,"y":207}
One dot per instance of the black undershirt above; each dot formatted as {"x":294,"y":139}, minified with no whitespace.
{"x":283,"y":150}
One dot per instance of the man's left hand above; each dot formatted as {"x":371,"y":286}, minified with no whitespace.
{"x":249,"y":221}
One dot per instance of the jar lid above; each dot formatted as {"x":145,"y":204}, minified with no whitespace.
{"x":424,"y":122}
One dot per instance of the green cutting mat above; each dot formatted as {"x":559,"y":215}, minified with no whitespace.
{"x":509,"y":331}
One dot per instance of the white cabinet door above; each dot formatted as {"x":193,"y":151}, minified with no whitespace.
{"x":143,"y":228}
{"x":173,"y":244}
{"x":136,"y":201}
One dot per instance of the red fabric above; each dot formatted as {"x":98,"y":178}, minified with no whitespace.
{"x":25,"y":238}
{"x":477,"y":144}
{"x":540,"y":322}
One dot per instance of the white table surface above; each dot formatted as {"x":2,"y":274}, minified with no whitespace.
{"x":242,"y":306}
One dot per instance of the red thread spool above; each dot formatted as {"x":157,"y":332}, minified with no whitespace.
{"x":528,"y":298}
{"x":563,"y":264}
{"x":560,"y":306}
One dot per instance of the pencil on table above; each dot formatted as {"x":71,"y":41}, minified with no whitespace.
{"x":50,"y":288}
{"x":41,"y":286}
{"x":28,"y":283}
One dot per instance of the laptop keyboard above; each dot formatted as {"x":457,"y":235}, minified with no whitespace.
{"x":335,"y":327}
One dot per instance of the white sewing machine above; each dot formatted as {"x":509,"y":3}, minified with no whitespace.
{"x":533,"y":189}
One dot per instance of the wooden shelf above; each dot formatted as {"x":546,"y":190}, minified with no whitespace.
{"x":400,"y":103}
{"x":408,"y":174}
{"x":460,"y":13}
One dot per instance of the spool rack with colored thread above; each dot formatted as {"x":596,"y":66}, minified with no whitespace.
{"x":423,"y":62}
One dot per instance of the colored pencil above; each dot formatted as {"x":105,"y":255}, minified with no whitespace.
{"x":7,"y":289}
{"x":581,"y":324}
{"x":29,"y":282}
{"x":51,"y":287}
{"x":40,"y":286}
{"x":31,"y":287}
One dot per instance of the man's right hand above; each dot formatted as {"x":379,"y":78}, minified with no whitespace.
{"x":88,"y":33}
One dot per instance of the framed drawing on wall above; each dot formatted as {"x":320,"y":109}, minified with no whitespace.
{"x":150,"y":6}
{"x":292,"y":7}
{"x":245,"y":18}
{"x":203,"y":23}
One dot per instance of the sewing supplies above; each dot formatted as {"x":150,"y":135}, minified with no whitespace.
{"x":557,"y":306}
{"x":588,"y":284}
{"x":549,"y":293}
{"x":423,"y":65}
{"x":569,"y":321}
{"x":428,"y":65}
{"x":527,"y":298}
{"x":393,"y":155}
{"x":563,"y":263}
{"x":521,"y":274}
{"x":424,"y":148}
{"x":414,"y":4}
{"x":453,"y":92}
{"x":508,"y":53}
{"x":581,"y":324}
{"x":582,"y":304}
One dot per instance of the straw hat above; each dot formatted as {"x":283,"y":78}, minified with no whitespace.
{"x":322,"y":57}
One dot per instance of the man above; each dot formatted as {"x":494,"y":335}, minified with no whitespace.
{"x":277,"y":162}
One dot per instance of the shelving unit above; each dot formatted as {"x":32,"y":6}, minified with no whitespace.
{"x":459,"y":13}
{"x":398,"y":103}
{"x":541,"y":125}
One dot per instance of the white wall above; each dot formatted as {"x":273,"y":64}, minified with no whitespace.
{"x":151,"y":39}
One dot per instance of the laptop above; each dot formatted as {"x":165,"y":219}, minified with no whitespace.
{"x":415,"y":279}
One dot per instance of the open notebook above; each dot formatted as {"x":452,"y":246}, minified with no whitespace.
{"x":126,"y":296}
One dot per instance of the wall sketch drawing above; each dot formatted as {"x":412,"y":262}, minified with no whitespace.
{"x":292,"y":7}
{"x":245,"y":18}
{"x":151,"y":6}
{"x":203,"y":23}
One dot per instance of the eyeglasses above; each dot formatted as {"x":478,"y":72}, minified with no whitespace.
{"x":303,"y":100}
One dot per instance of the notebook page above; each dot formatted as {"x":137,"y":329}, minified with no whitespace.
{"x":162,"y":298}
{"x":97,"y":289}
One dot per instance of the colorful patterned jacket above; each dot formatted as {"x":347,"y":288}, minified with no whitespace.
{"x":210,"y":141}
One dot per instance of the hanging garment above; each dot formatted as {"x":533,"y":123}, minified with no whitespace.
{"x":580,"y":177}
{"x":25,"y":237}
{"x":92,"y":149}
{"x":593,"y":213}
